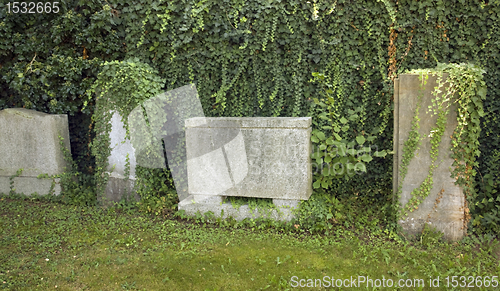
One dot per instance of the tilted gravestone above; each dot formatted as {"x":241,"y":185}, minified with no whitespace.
{"x":262,"y":157}
{"x":29,"y":140}
{"x":443,"y":209}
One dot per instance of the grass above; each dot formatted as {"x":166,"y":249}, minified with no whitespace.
{"x":47,"y":245}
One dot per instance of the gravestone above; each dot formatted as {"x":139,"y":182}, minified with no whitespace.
{"x":29,"y":140}
{"x":156,"y":128}
{"x":118,"y":186}
{"x":443,"y":209}
{"x":260,"y":157}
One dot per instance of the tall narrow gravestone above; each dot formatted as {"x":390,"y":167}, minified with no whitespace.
{"x":443,"y":208}
{"x":120,"y":185}
{"x":29,"y":140}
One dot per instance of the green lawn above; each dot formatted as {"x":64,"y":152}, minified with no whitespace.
{"x":47,"y":246}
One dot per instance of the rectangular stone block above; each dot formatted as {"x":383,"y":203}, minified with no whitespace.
{"x":448,"y":214}
{"x":30,"y":140}
{"x":261,"y":157}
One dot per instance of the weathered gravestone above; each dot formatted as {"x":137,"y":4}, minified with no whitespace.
{"x":120,"y":186}
{"x":29,"y":140}
{"x":260,"y":157}
{"x":443,"y":209}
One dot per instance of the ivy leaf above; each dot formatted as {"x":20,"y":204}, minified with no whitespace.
{"x":316,"y":155}
{"x":360,"y":167}
{"x":317,"y":184}
{"x":314,"y":139}
{"x":344,"y":120}
{"x":329,"y":141}
{"x":320,"y":135}
{"x":380,"y":154}
{"x":360,"y":139}
{"x":366,"y":158}
{"x":482,"y":92}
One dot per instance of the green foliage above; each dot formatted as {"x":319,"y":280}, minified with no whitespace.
{"x":11,"y":181}
{"x":324,"y":213}
{"x":488,"y":201}
{"x":335,"y":156}
{"x":76,"y":188}
{"x":410,"y":146}
{"x":263,"y":204}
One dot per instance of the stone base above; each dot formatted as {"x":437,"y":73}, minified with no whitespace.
{"x":118,"y":189}
{"x":29,"y":185}
{"x":452,"y":230}
{"x":215,"y":204}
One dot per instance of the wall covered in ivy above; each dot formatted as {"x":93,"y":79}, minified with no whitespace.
{"x":255,"y":58}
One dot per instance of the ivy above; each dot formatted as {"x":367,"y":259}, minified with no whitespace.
{"x":335,"y":156}
{"x":411,"y":145}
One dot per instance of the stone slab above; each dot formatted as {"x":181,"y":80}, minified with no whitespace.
{"x":30,"y":140}
{"x":215,"y":204}
{"x":262,"y":157}
{"x":448,"y":216}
